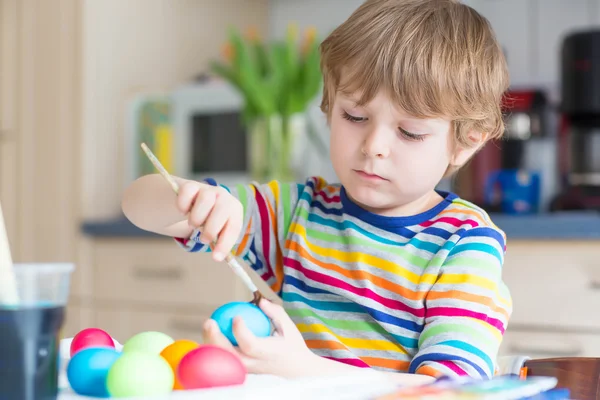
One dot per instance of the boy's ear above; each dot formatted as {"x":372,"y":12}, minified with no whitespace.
{"x":462,"y":153}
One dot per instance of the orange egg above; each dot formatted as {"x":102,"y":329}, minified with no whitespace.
{"x":174,"y":352}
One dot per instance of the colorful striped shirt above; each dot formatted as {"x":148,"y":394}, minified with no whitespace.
{"x":419,"y":294}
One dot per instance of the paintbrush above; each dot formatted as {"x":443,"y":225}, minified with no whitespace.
{"x":8,"y":282}
{"x":229,"y":258}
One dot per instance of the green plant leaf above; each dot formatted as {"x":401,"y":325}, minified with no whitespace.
{"x":278,"y":77}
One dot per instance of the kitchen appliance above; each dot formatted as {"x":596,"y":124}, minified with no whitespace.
{"x":580,"y":128}
{"x":190,"y":129}
{"x":210,"y":139}
{"x":148,"y":121}
{"x":513,"y":191}
{"x":506,"y":175}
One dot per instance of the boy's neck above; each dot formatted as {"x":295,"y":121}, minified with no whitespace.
{"x":418,"y":206}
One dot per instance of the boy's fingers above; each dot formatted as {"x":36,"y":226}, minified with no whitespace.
{"x":215,"y":222}
{"x":213,"y":335}
{"x":185,"y":197}
{"x":202,"y":208}
{"x":282,"y":321}
{"x":247,"y":342}
{"x":227,"y":238}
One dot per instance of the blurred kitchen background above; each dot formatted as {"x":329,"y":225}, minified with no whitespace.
{"x":83,"y":82}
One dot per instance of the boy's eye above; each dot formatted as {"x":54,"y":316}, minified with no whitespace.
{"x":406,"y":134}
{"x":411,"y":136}
{"x":352,"y":118}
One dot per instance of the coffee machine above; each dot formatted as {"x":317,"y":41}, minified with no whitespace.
{"x":509,"y":175}
{"x":579,"y":135}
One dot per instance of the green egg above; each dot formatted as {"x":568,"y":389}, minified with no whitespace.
{"x":148,"y":342}
{"x":139,"y":374}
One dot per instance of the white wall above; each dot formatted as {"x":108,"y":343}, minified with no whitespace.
{"x":530,"y":30}
{"x":134,"y":45}
{"x":325,"y":15}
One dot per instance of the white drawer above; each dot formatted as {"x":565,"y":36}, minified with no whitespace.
{"x":550,"y":345}
{"x":78,"y":317}
{"x":158,"y":272}
{"x":124,"y":323}
{"x":554,"y":283}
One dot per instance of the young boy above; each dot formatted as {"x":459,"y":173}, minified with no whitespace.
{"x":382,"y":270}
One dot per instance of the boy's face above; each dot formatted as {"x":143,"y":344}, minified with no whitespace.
{"x":388,"y":161}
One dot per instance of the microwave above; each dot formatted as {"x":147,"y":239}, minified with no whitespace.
{"x":209,"y":136}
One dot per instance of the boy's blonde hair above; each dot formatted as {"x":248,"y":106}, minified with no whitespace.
{"x":434,"y":58}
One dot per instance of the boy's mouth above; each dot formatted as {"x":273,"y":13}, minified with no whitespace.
{"x":369,"y":176}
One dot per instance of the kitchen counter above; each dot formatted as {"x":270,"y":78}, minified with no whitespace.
{"x":118,"y":227}
{"x":568,"y":225}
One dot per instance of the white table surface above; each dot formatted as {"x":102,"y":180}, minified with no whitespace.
{"x":361,"y":385}
{"x":263,"y":387}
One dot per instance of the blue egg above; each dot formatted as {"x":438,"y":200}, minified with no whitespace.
{"x":254,"y":318}
{"x":88,"y":368}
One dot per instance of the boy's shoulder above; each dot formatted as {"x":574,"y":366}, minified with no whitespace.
{"x":475,"y":219}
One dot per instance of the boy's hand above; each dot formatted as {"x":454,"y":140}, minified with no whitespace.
{"x":284,"y":354}
{"x":215,"y":212}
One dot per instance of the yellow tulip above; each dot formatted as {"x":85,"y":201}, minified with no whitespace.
{"x":228,"y":52}
{"x":252,"y":34}
{"x":309,"y":38}
{"x":292,"y":31}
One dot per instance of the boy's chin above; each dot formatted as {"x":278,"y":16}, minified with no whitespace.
{"x":369,"y":198}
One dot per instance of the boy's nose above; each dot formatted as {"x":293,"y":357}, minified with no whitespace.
{"x":376,"y":145}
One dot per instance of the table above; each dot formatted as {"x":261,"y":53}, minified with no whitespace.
{"x":359,"y":386}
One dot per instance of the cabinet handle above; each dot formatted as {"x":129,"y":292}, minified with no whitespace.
{"x":186,"y":326}
{"x":172,"y":273}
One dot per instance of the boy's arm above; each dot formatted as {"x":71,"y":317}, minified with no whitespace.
{"x":468,"y":309}
{"x":150,"y":204}
{"x":268,"y":210}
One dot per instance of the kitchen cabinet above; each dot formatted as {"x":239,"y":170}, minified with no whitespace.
{"x":556,"y":297}
{"x":39,"y":135}
{"x":8,"y":67}
{"x":8,"y":96}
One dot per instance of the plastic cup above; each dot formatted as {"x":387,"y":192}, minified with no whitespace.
{"x":29,"y":332}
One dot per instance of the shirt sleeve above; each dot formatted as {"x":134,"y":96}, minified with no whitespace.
{"x":467,"y":310}
{"x":268,"y":211}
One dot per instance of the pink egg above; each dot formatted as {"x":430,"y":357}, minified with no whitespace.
{"x":91,"y":337}
{"x":210,"y":366}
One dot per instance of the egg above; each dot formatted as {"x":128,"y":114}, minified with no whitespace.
{"x":173,"y":354}
{"x":148,"y":342}
{"x":90,"y":337}
{"x":140,"y":374}
{"x":210,"y":366}
{"x":254,"y":318}
{"x":88,"y":369}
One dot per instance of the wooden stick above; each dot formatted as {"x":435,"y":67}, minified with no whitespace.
{"x":8,"y":281}
{"x":230,"y":259}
